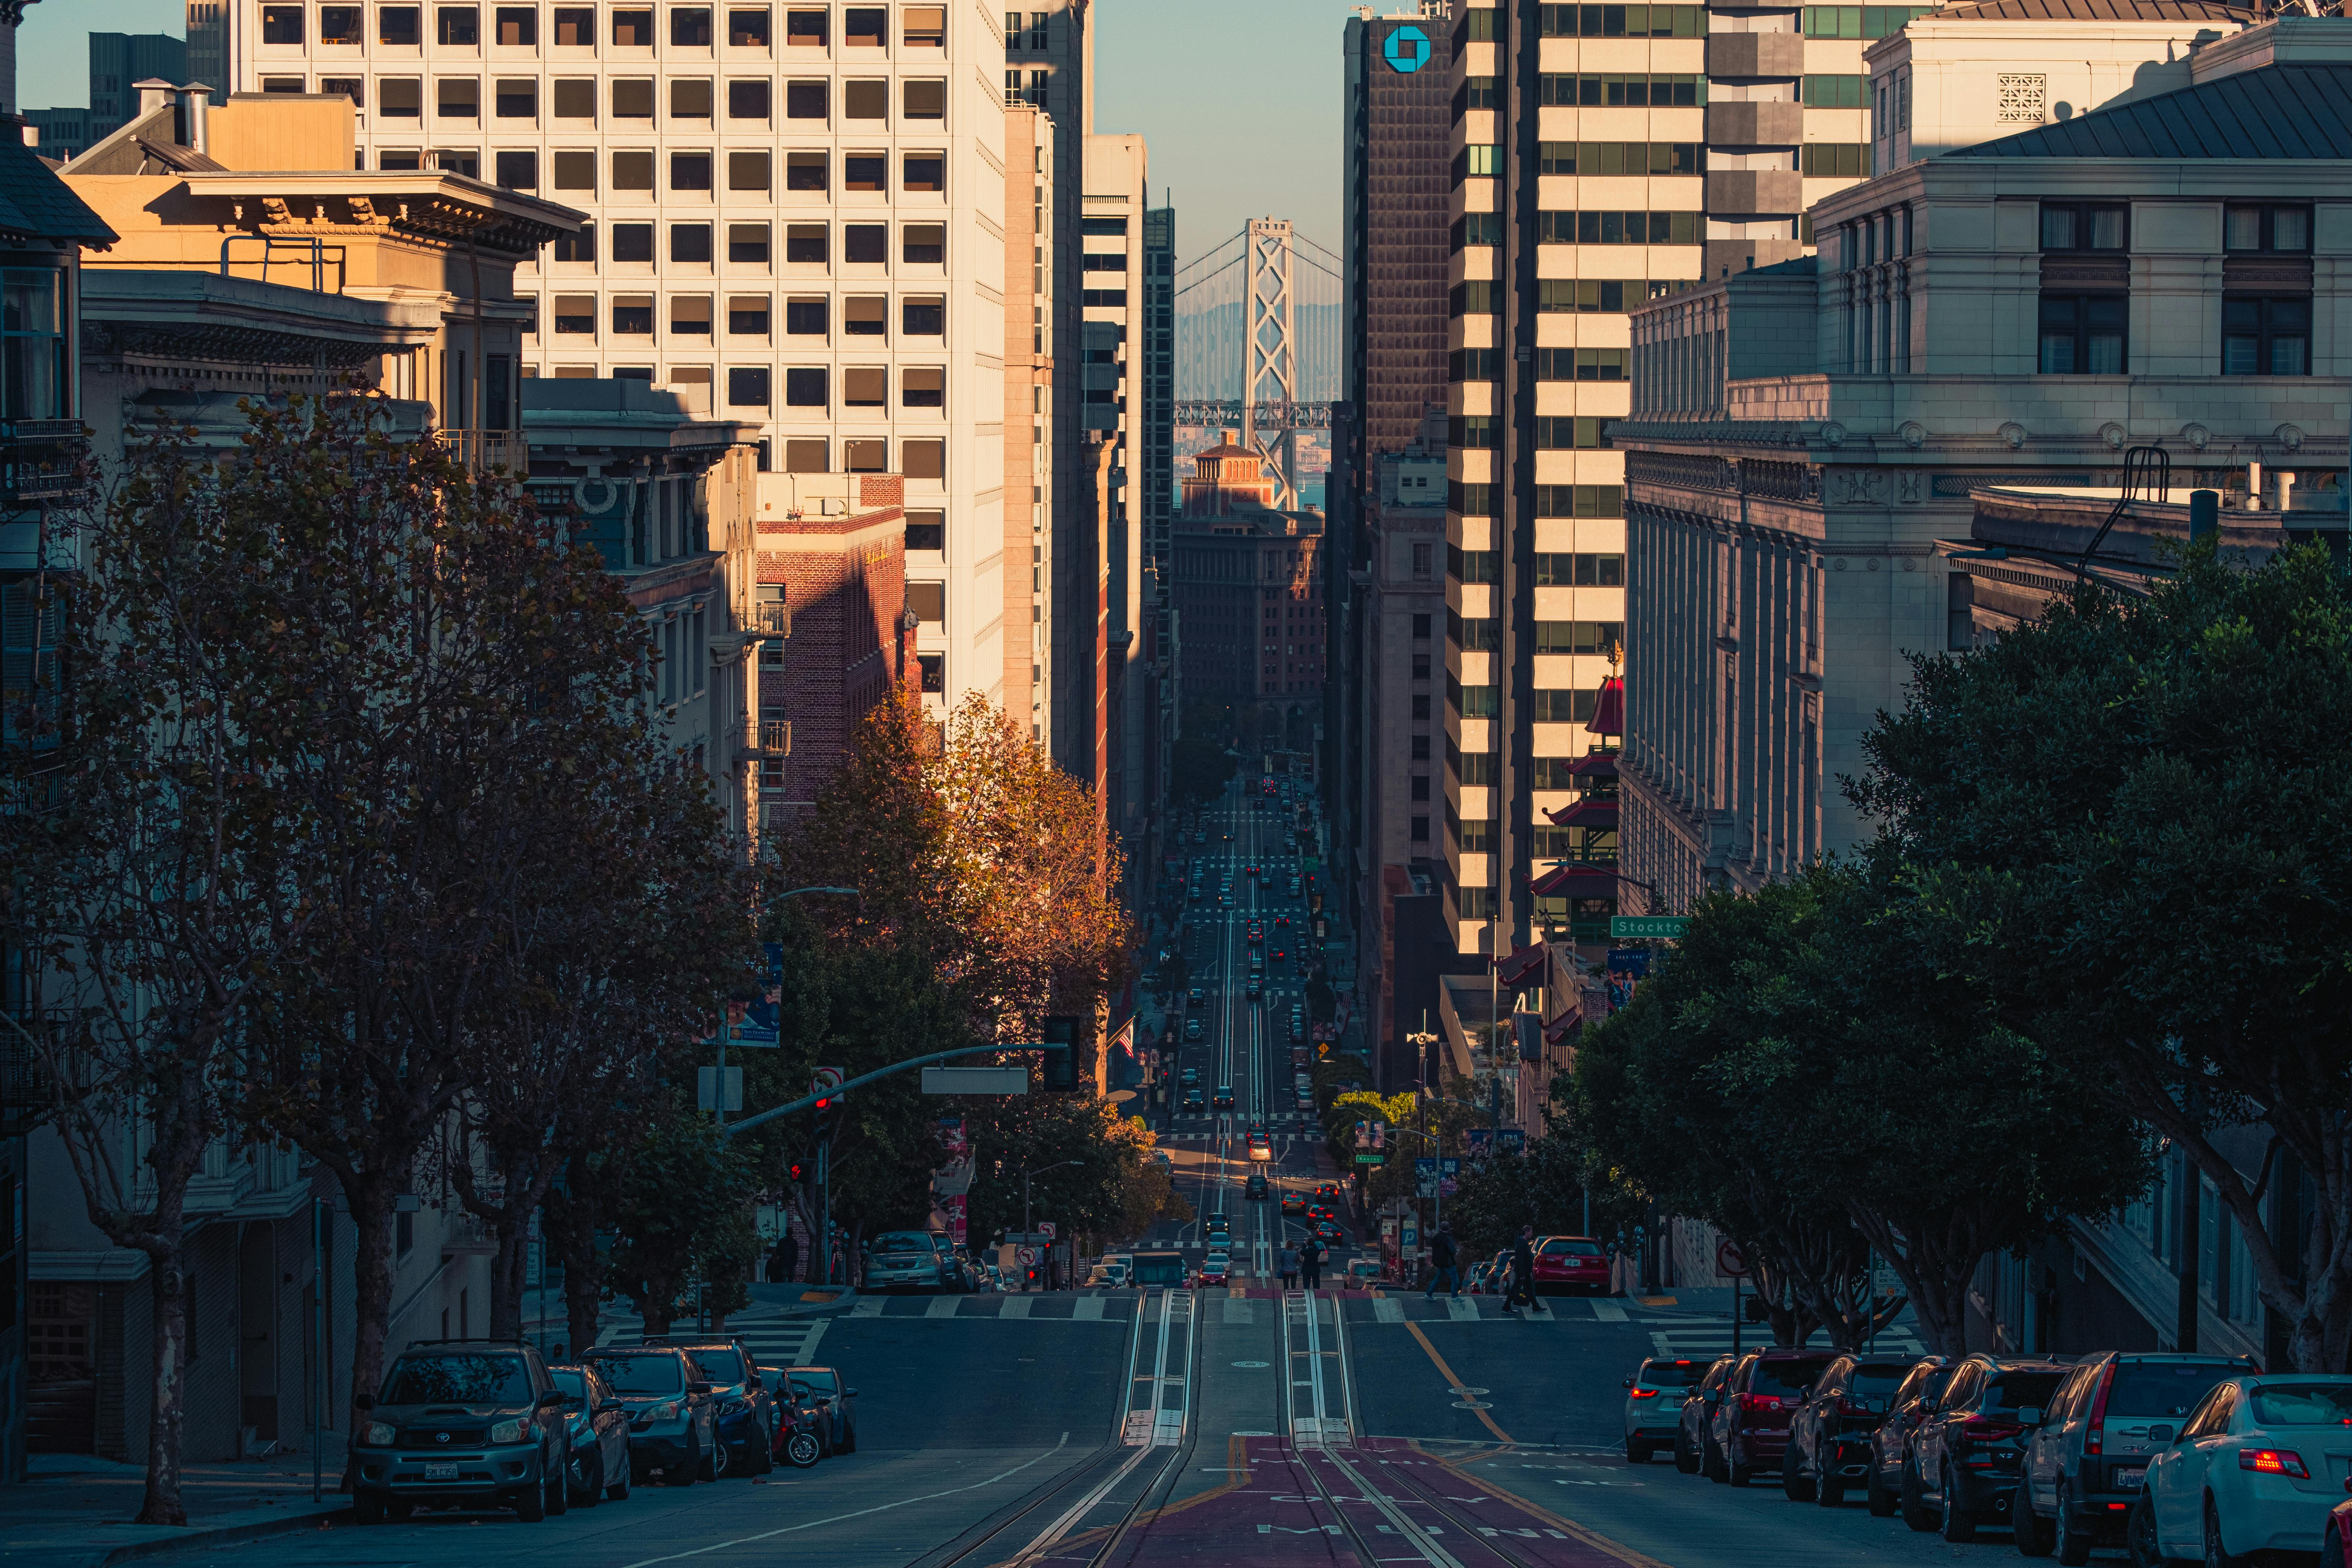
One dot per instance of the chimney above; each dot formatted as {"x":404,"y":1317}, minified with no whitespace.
{"x":195,"y":98}
{"x":153,"y":94}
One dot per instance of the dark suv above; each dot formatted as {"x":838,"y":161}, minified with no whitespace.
{"x":1697,"y":1416}
{"x":1750,"y":1422}
{"x":462,"y":1421}
{"x":743,"y":1411}
{"x":1828,"y":1437}
{"x":2084,"y":1465}
{"x":1963,"y":1466}
{"x":673,"y":1420}
{"x":1890,"y":1444}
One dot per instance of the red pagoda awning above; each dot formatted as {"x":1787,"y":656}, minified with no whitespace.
{"x":1594,"y":765}
{"x":1515,"y":969}
{"x":1608,"y":707}
{"x":1561,"y":1028}
{"x":1572,"y":879}
{"x":1586,"y":813}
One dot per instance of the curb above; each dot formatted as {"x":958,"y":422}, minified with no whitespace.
{"x":228,"y":1535}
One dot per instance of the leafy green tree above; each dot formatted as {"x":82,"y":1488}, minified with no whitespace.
{"x":1542,"y":1186}
{"x":2124,"y":823}
{"x":677,"y":1198}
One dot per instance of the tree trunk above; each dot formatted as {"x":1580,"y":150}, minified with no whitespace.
{"x":509,"y":1267}
{"x":167,"y":1417}
{"x":371,"y":1205}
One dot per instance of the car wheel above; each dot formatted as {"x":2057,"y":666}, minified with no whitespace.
{"x":2031,"y":1531}
{"x":368,"y":1508}
{"x":1959,"y":1523}
{"x":2216,"y":1555}
{"x":763,"y":1455}
{"x":530,"y":1504}
{"x":1737,"y":1471}
{"x":714,"y":1463}
{"x":557,"y":1487}
{"x":686,"y":1473}
{"x":1829,"y":1493}
{"x":1875,"y":1495}
{"x":588,"y":1477}
{"x":2331,"y":1547}
{"x":1686,"y":1457}
{"x":1636,"y":1453}
{"x":801,"y":1449}
{"x":1795,"y":1485}
{"x":2070,"y":1533}
{"x":2139,"y":1536}
{"x":617,"y":1491}
{"x":1711,"y":1459}
{"x":1916,"y":1512}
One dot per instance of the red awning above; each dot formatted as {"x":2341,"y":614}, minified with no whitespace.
{"x":1572,"y":879}
{"x":1515,"y":969}
{"x":1586,"y":813}
{"x":1561,"y":1028}
{"x":1594,"y":765}
{"x":1608,"y":707}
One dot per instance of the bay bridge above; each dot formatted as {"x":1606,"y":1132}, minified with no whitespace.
{"x":1258,"y":344}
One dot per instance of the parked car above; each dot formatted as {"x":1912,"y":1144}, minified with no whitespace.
{"x":1363,"y":1273}
{"x":904,"y":1260}
{"x":2086,"y":1463}
{"x":836,"y":1404}
{"x":462,"y":1421}
{"x":1890,"y":1443}
{"x":1569,"y":1263}
{"x":745,"y":1412}
{"x":598,"y":1462}
{"x":2252,"y":1471}
{"x":1828,"y":1437}
{"x":1694,"y":1432}
{"x":1963,"y":1467}
{"x":1751,"y":1420}
{"x":1654,"y":1404}
{"x":673,"y":1420}
{"x":1193,"y":1029}
{"x":1480,"y":1280}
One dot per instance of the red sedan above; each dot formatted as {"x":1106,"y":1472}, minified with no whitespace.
{"x":1569,"y":1263}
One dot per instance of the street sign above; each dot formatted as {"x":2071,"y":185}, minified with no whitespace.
{"x":1028,"y":1256}
{"x":1511,"y":1139}
{"x":975,"y":1081}
{"x":1371,"y":1159}
{"x":707,"y":1089}
{"x":825,"y":1079}
{"x":1666,"y":927}
{"x":1728,"y":1261}
{"x":1046,"y":1229}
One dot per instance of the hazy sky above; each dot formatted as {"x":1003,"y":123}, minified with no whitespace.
{"x":1238,"y":99}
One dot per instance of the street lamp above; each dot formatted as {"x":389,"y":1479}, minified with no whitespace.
{"x":1038,"y":1171}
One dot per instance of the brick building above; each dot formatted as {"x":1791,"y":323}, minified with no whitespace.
{"x":1248,"y":586}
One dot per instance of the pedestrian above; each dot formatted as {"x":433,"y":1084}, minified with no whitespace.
{"x":1310,"y":1262}
{"x":1441,"y":1266}
{"x":1287,"y":1264}
{"x":1523,"y":1271}
{"x":790,"y":1245}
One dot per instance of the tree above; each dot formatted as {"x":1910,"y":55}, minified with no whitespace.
{"x":1543,"y":1186}
{"x":1114,"y":1188}
{"x":677,"y":1198}
{"x":145,"y":867}
{"x":2124,"y":822}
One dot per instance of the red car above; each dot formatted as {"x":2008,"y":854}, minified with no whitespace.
{"x":2334,"y":1545}
{"x":1750,"y":1426}
{"x":1569,"y":1265}
{"x":1213,"y":1269}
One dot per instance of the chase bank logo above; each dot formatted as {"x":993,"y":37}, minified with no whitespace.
{"x":1406,"y":50}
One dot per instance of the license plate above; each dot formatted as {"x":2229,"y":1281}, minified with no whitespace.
{"x":2130,"y":1478}
{"x":1670,"y":1405}
{"x":440,"y":1472}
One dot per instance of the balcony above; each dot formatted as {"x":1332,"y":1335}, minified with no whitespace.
{"x":26,"y":1092}
{"x":771,"y":618}
{"x":766,"y":740}
{"x":43,"y":459}
{"x":483,"y":450}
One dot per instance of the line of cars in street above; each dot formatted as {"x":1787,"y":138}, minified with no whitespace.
{"x":476,"y":1424}
{"x":2177,"y":1457}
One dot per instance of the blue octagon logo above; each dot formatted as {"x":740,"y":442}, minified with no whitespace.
{"x":1406,"y":50}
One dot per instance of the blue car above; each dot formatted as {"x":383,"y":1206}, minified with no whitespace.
{"x":744,"y":1411}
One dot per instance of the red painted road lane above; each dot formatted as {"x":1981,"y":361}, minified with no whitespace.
{"x":1486,"y":1528}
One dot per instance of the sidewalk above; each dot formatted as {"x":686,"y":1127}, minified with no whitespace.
{"x":74,"y":1511}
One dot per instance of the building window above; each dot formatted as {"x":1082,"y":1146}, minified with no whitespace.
{"x":925,"y":26}
{"x":923,"y":244}
{"x":520,"y":171}
{"x":689,"y":315}
{"x":1420,"y":830}
{"x":805,"y":456}
{"x":2084,"y":227}
{"x":747,"y":171}
{"x":747,"y":387}
{"x":517,"y":26}
{"x":805,"y":29}
{"x":747,"y":29}
{"x":747,"y":316}
{"x":575,"y":313}
{"x":690,"y":171}
{"x":632,"y":29}
{"x":395,"y":26}
{"x":1837,"y":93}
{"x":689,"y":27}
{"x":633,"y":171}
{"x":932,"y":670}
{"x":1836,"y":160}
{"x":924,"y":172}
{"x":1859,"y":21}
{"x":575,"y":170}
{"x":281,"y":24}
{"x":806,"y":386}
{"x":927,"y":531}
{"x":459,"y":26}
{"x":1579,"y":637}
{"x":2266,"y":336}
{"x":864,"y":385}
{"x":2286,"y":229}
{"x":805,"y":244}
{"x":747,"y":244}
{"x":579,"y":247}
{"x":1580,"y":501}
{"x":923,"y":459}
{"x":2083,"y":334}
{"x":632,"y":315}
{"x":1582,"y":570}
{"x":689,"y":98}
{"x":747,"y":99}
{"x":1563,"y":432}
{"x":923,"y":316}
{"x":922,"y":387}
{"x":690,"y":243}
{"x":517,"y":99}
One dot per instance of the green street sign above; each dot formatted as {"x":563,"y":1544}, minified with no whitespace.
{"x":1621,"y":927}
{"x":1371,"y":1159}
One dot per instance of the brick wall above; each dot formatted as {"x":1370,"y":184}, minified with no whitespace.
{"x":845,"y":580}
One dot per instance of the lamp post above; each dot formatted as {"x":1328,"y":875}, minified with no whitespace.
{"x":1421,"y":1043}
{"x":825,"y":1189}
{"x":1038,"y":1171}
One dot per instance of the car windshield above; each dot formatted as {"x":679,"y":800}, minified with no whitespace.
{"x":2143,"y":1389}
{"x":720,"y":1364}
{"x":2304,"y":1404}
{"x":570,"y":1380}
{"x":2022,"y":1390}
{"x":806,"y":1382}
{"x":1785,"y":1377}
{"x":1563,"y":1247}
{"x":903,"y":1241}
{"x":459,"y":1379}
{"x":641,"y":1373}
{"x":1670,"y":1373}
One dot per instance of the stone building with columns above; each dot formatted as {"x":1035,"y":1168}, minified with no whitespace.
{"x":2167,"y":272}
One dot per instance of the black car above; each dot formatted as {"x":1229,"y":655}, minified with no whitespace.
{"x":1195,"y":1100}
{"x":673,"y":1419}
{"x":462,"y":1421}
{"x":1829,"y":1439}
{"x":1255,"y":1187}
{"x":1964,"y":1456}
{"x":836,"y":1404}
{"x":1224,"y":1097}
{"x":1691,"y":1437}
{"x":745,"y":1412}
{"x":1890,"y":1444}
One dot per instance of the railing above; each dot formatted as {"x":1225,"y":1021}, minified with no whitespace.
{"x":43,"y":459}
{"x":310,"y":251}
{"x":776,"y":737}
{"x":26,"y":1092}
{"x":771,"y":617}
{"x":487,"y":450}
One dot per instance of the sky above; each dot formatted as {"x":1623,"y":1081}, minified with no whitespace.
{"x":1238,"y":100}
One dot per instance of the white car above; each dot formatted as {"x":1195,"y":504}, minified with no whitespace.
{"x":2254,"y":1468}
{"x":1654,"y":1404}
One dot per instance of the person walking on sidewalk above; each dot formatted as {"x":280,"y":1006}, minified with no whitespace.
{"x":1441,"y":1266}
{"x":1287,"y":1264}
{"x":1523,"y":1272}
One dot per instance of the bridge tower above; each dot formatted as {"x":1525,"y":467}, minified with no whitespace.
{"x":1270,"y":357}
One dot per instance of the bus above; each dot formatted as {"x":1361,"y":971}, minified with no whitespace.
{"x":1159,"y":1268}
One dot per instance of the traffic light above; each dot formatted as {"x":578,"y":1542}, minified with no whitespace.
{"x":1061,"y":1067}
{"x":797,"y":1172}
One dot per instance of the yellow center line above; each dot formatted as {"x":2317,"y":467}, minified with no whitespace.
{"x":1451,"y":1381}
{"x":1591,"y":1537}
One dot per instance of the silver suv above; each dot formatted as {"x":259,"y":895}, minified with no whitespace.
{"x":2082,"y":1467}
{"x":904,"y":1259}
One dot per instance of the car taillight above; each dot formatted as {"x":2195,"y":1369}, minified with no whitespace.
{"x":1646,"y":1393}
{"x":1987,"y":1429}
{"x":2274,"y":1462}
{"x":2093,"y":1440}
{"x":1759,"y":1401}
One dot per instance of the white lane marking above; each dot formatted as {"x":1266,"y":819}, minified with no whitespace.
{"x":808,"y":1345}
{"x":1462,"y":1308}
{"x":1608,"y":1312}
{"x":869,"y":1308}
{"x":859,"y":1513}
{"x":943,"y":1307}
{"x":1388,"y":1309}
{"x":1087,"y":1309}
{"x":1016,"y":1307}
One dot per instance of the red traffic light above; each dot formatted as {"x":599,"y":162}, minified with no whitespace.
{"x":796,"y":1170}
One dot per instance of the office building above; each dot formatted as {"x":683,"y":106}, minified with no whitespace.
{"x":1249,"y":590}
{"x":795,"y":222}
{"x":118,"y":61}
{"x":1031,"y":289}
{"x":1602,"y":157}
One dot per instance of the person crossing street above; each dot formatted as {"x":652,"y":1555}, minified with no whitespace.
{"x":1523,"y":1272}
{"x":1310,"y":1262}
{"x":1441,"y":1266}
